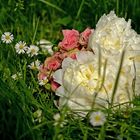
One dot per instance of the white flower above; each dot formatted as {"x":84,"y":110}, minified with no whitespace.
{"x":35,"y":65}
{"x":59,"y":120}
{"x":38,"y":115}
{"x":97,"y":118}
{"x":7,"y":37}
{"x":16,"y":76}
{"x":46,"y":46}
{"x":21,"y":47}
{"x":80,"y":83}
{"x":78,"y":79}
{"x":43,"y":82}
{"x":32,"y":50}
{"x":112,"y":35}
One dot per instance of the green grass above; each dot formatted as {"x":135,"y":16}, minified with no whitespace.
{"x":32,"y":20}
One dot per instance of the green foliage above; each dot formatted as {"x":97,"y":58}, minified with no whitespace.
{"x":32,"y":20}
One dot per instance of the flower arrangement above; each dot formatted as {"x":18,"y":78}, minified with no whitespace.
{"x":95,"y":68}
{"x":90,"y":71}
{"x":72,"y":43}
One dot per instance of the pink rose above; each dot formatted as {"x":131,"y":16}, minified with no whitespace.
{"x":73,"y":56}
{"x":52,"y":63}
{"x":54,"y":85}
{"x":70,"y":41}
{"x":60,"y":55}
{"x":64,"y":54}
{"x":84,"y":36}
{"x":43,"y":73}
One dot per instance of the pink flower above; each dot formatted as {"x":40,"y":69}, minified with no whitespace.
{"x":52,"y":63}
{"x":64,"y":54}
{"x":43,"y":73}
{"x":60,"y":55}
{"x":70,"y":41}
{"x":54,"y":85}
{"x":73,"y":56}
{"x":84,"y":36}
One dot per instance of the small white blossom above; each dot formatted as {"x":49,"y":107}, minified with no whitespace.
{"x":46,"y":46}
{"x":38,"y":115}
{"x":21,"y":47}
{"x":43,"y":82}
{"x":50,"y":51}
{"x":16,"y":76}
{"x":97,"y":118}
{"x":59,"y":120}
{"x":7,"y":37}
{"x":32,"y":50}
{"x":35,"y":65}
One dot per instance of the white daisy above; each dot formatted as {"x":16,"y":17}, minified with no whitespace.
{"x":7,"y":37}
{"x":16,"y":76}
{"x":21,"y":47}
{"x":97,"y":118}
{"x":35,"y":65}
{"x":32,"y":50}
{"x":43,"y":82}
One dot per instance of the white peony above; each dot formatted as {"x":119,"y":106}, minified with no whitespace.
{"x":80,"y":83}
{"x":112,"y":35}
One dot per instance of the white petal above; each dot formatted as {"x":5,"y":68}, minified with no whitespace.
{"x":85,"y":56}
{"x":58,"y":76}
{"x":66,"y":62}
{"x":60,"y":91}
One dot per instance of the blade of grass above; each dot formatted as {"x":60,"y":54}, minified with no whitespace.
{"x":104,"y":74}
{"x":134,"y":79}
{"x":33,"y":128}
{"x":78,"y":13}
{"x":117,"y":7}
{"x":53,"y":6}
{"x":80,"y":9}
{"x":35,"y":29}
{"x":117,"y":78}
{"x":99,"y":62}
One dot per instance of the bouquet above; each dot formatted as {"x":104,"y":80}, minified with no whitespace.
{"x":96,"y":69}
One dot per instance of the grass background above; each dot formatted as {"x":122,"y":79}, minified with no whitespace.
{"x":32,"y":20}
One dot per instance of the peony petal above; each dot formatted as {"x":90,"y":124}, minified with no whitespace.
{"x":66,"y":62}
{"x":85,"y":56}
{"x":60,"y":91}
{"x":58,"y":75}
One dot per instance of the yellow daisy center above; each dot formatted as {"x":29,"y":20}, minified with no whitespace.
{"x":97,"y":118}
{"x":21,"y":46}
{"x":7,"y":37}
{"x":32,"y":50}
